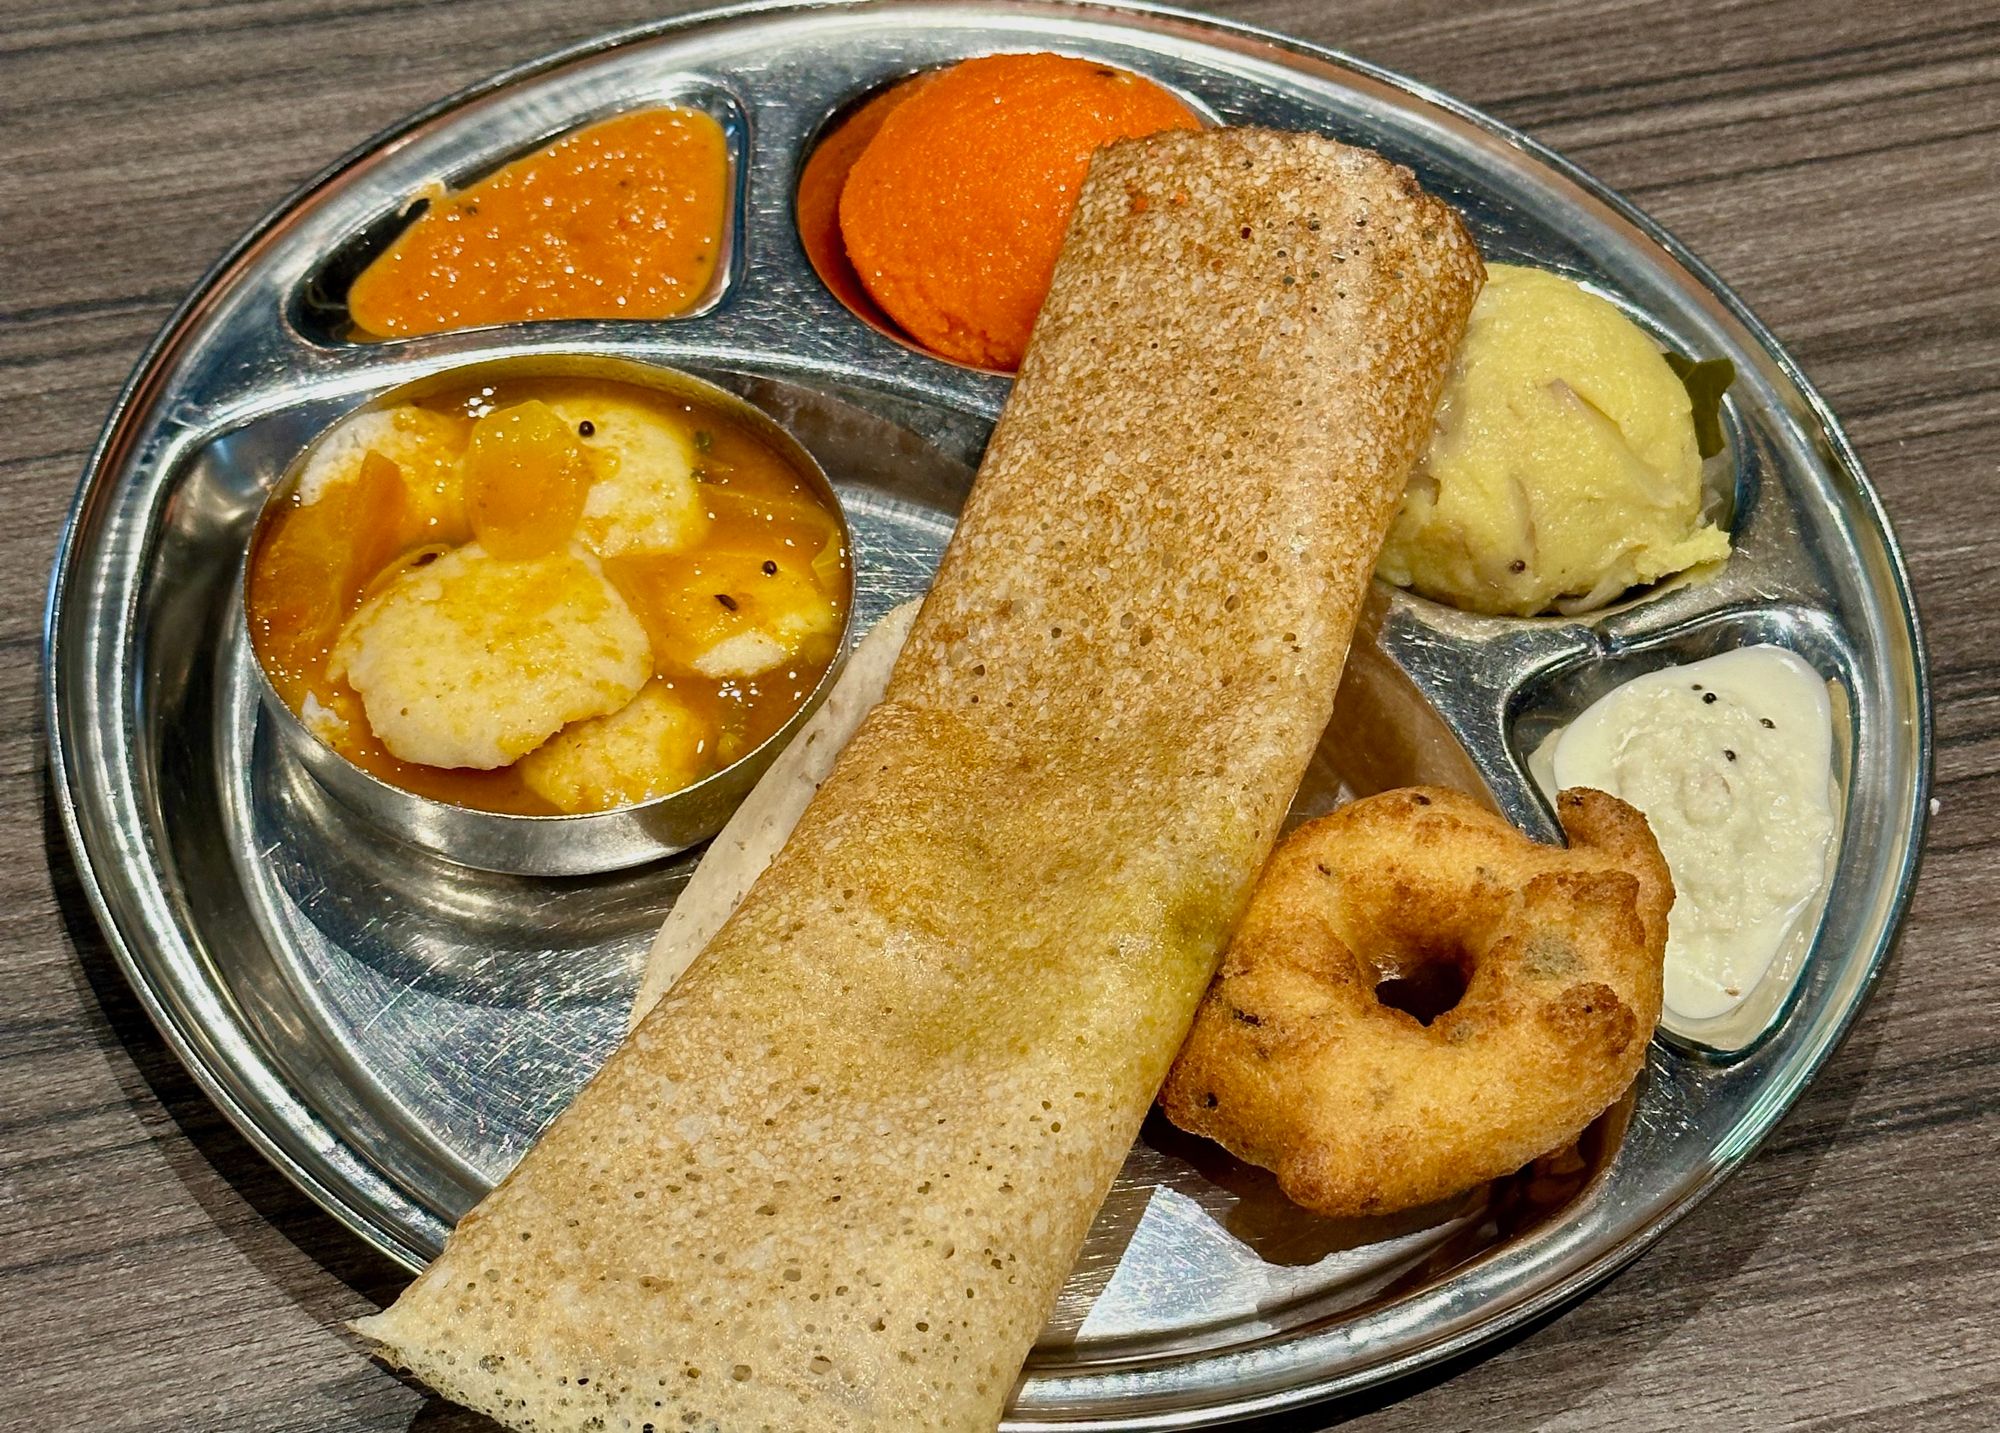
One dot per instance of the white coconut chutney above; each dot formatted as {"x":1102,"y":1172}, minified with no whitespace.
{"x":1731,"y":760}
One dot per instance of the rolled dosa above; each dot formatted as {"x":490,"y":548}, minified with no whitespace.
{"x":744,"y":847}
{"x":835,"y":1179}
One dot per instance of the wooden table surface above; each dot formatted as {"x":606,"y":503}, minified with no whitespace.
{"x":1839,"y":164}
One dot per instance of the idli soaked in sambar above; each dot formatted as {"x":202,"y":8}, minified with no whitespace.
{"x":546,"y":595}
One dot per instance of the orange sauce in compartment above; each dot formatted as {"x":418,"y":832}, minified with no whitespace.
{"x":621,"y":219}
{"x":820,"y":182}
{"x":768,"y":557}
{"x":936,"y":209}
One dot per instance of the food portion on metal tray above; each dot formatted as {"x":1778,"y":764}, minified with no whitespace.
{"x":940,"y":203}
{"x":1251,"y":365}
{"x":560,"y":594}
{"x":1574,"y":461}
{"x":945,"y":1008}
{"x":397,"y":1030}
{"x":1565,"y":466}
{"x":1732,"y":758}
{"x":625,"y":218}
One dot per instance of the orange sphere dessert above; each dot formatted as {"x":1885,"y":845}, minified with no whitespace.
{"x":954,"y":213}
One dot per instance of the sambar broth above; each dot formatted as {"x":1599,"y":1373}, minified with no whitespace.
{"x":313,"y":566}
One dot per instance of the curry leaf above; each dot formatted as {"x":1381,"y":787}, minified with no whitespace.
{"x":1706,"y":381}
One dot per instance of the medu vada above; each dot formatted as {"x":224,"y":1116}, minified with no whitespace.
{"x":1296,"y":1063}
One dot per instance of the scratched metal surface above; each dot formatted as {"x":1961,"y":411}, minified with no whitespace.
{"x":393,"y":1031}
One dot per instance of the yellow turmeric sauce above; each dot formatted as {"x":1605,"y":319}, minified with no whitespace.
{"x":436,"y":480}
{"x":622,"y":219}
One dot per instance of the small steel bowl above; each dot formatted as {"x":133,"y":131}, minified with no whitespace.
{"x":558,"y":845}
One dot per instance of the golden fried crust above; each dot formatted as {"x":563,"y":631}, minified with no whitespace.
{"x":1295,"y":1065}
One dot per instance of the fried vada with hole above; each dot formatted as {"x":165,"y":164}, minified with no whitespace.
{"x":1295,"y":1063}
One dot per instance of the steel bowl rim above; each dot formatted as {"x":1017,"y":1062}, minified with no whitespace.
{"x":355,"y":783}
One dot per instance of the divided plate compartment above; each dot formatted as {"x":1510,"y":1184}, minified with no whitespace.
{"x":393,"y":1030}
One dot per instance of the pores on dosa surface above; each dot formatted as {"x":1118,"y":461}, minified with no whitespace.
{"x":836,"y":1177}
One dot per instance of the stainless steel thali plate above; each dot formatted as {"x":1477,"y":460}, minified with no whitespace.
{"x":392,"y":1031}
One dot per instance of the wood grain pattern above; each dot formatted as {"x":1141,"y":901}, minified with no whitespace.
{"x":1836,"y":163}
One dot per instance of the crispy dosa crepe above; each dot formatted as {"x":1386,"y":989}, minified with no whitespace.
{"x":836,"y":1177}
{"x":743,"y":848}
